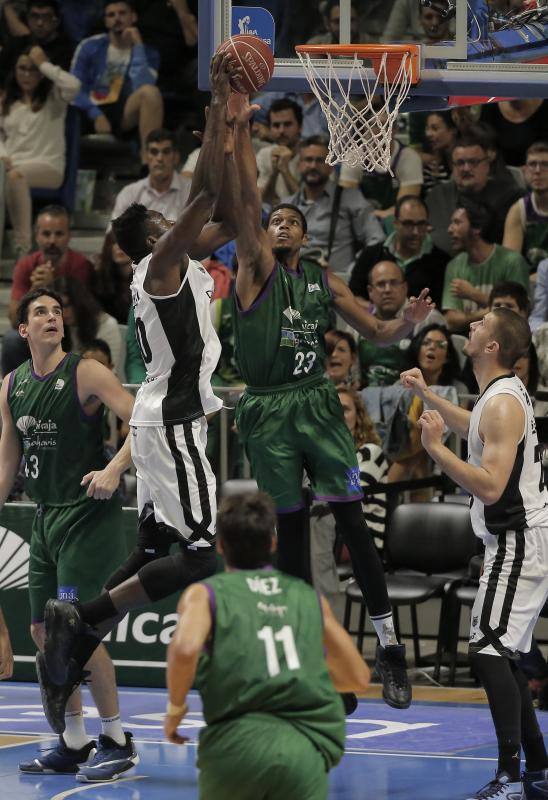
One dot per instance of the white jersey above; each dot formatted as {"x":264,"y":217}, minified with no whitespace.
{"x":524,"y":501}
{"x":179,"y":346}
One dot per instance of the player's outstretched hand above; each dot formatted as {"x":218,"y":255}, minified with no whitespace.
{"x":413,"y":379}
{"x":240,"y":110}
{"x":221,"y":69}
{"x":171,"y":723}
{"x":102,"y":483}
{"x":418,"y":308}
{"x":432,"y":428}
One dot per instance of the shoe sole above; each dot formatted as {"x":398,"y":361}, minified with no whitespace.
{"x":47,"y":771}
{"x":82,"y":778}
{"x":57,"y":726}
{"x":56,"y":666}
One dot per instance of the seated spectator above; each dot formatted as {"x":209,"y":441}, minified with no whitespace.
{"x":526,"y":226}
{"x":314,"y":121}
{"x":435,"y":25}
{"x":85,"y":321}
{"x":164,"y":189}
{"x":277,"y":164}
{"x":432,"y":351}
{"x":42,"y":26}
{"x":479,"y":265}
{"x":471,"y":177}
{"x":112,"y":278}
{"x":172,"y":29}
{"x":340,"y":222}
{"x":32,"y":135}
{"x":342,"y":359}
{"x":411,"y":247}
{"x":331,"y":15}
{"x":406,"y":24}
{"x":440,"y":133}
{"x":518,"y":123}
{"x":383,"y":189}
{"x":118,"y":75}
{"x":373,"y":471}
{"x":53,"y":259}
{"x":539,"y":314}
{"x":381,"y":366}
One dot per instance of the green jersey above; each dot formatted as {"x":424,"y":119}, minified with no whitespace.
{"x":60,"y":443}
{"x":266,"y":656}
{"x":280,"y":338}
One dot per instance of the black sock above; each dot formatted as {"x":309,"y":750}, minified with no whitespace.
{"x":351,"y":525}
{"x":503,"y":693}
{"x":293,"y":544}
{"x":98,"y":610}
{"x":531,"y":736}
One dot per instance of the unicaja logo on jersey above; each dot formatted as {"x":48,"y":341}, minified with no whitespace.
{"x":58,"y":385}
{"x":292,"y":314}
{"x":26,"y":424}
{"x":14,"y":560}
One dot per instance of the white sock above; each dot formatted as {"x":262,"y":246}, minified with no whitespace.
{"x":75,"y":735}
{"x":384,"y":627}
{"x":112,"y":726}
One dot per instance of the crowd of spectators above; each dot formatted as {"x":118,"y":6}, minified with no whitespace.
{"x":464,"y":210}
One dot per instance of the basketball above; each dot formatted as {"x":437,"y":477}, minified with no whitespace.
{"x":255,"y":58}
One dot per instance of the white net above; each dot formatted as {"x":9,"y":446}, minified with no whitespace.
{"x":360,"y":126}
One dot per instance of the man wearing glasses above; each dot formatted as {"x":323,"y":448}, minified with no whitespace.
{"x":410,"y":246}
{"x":526,"y":227}
{"x":41,"y":26}
{"x":472,"y":177}
{"x":388,"y":291}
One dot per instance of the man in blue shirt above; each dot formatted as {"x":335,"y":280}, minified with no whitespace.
{"x":118,"y":74}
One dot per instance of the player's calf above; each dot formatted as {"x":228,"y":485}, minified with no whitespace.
{"x":63,"y":625}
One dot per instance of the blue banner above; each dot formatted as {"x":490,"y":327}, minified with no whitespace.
{"x":254,"y":21}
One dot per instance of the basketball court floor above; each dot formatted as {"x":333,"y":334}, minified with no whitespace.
{"x":441,"y":747}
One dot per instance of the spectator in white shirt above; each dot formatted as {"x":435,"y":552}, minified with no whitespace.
{"x":164,"y":189}
{"x":32,"y":135}
{"x":278,"y":164}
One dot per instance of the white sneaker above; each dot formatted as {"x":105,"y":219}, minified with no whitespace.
{"x":500,"y":788}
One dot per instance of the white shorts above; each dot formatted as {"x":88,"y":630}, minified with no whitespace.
{"x":173,"y":474}
{"x":512,"y":592}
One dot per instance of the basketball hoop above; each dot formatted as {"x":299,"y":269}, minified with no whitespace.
{"x":360,"y":128}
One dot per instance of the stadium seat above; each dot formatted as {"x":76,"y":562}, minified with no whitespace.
{"x":427,"y":546}
{"x":66,"y":193}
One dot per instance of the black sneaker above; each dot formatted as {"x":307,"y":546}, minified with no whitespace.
{"x":63,"y":625}
{"x":350,"y":702}
{"x":391,"y":668}
{"x":535,"y":785}
{"x":110,"y":760}
{"x":61,"y":760}
{"x":54,"y":698}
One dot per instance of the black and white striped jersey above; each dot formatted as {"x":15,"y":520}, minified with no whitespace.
{"x":179,"y":346}
{"x":524,"y":501}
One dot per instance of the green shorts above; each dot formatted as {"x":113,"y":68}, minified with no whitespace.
{"x":286,"y":433}
{"x":259,"y":755}
{"x":73,"y":551}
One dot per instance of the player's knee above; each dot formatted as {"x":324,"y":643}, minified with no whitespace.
{"x":38,"y":635}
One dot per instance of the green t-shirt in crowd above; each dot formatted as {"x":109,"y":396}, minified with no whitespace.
{"x":502,"y":265}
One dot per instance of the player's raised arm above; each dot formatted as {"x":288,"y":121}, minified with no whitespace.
{"x":189,"y":637}
{"x":382,"y":332}
{"x":10,"y":449}
{"x":455,"y":417}
{"x":255,"y":258}
{"x":347,"y":669}
{"x":178,"y":239}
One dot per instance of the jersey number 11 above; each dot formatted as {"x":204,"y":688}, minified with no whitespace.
{"x":285,"y":636}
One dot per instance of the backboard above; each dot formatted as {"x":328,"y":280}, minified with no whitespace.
{"x":479,"y":48}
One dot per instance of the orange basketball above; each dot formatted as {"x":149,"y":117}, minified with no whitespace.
{"x":255,"y":59}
